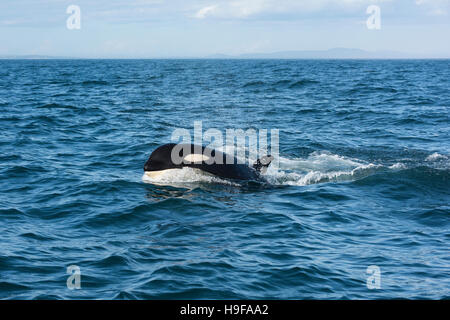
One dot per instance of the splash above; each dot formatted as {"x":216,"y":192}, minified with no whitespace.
{"x":318,"y":167}
{"x":321,"y":167}
{"x":435,"y":157}
{"x":185,"y":175}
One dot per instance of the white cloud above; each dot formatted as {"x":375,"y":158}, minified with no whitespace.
{"x":437,"y":12}
{"x":202,"y":13}
{"x":236,"y":9}
{"x":435,"y":7}
{"x":12,"y":22}
{"x":247,"y":8}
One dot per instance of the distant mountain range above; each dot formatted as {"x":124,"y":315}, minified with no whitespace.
{"x":335,"y":53}
{"x":32,"y":57}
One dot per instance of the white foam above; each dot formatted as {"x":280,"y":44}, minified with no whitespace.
{"x":436,"y":156}
{"x":318,"y":167}
{"x":398,"y":166}
{"x":319,"y":161}
{"x":315,"y":176}
{"x":321,"y":167}
{"x":183,"y":176}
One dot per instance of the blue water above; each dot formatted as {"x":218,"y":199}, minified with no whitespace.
{"x":363,"y":179}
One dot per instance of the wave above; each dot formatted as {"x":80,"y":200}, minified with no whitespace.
{"x":437,"y":161}
{"x":302,"y":83}
{"x":94,"y":83}
{"x":23,"y":171}
{"x":436,"y":156}
{"x":321,"y":167}
{"x":316,"y":168}
{"x":57,"y":106}
{"x":418,"y":180}
{"x":6,"y":286}
{"x":181,"y":177}
{"x":253,"y":84}
{"x":285,"y":83}
{"x":365,"y":89}
{"x":282,"y":83}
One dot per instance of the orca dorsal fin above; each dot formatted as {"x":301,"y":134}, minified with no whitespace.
{"x":262,"y":163}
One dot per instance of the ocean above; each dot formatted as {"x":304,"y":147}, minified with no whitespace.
{"x":357,"y":208}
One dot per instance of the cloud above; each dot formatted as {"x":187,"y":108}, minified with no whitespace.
{"x":246,"y":8}
{"x":437,"y":12}
{"x":12,"y":22}
{"x":202,"y":13}
{"x":236,"y":9}
{"x":435,"y":7}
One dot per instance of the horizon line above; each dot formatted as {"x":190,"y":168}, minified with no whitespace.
{"x":38,"y":57}
{"x":328,"y":54}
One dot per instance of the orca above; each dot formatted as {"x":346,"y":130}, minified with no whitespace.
{"x":173,"y":156}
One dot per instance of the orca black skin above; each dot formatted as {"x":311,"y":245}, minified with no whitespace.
{"x":161,"y":159}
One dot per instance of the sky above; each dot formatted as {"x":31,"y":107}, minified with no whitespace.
{"x":198,"y":28}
